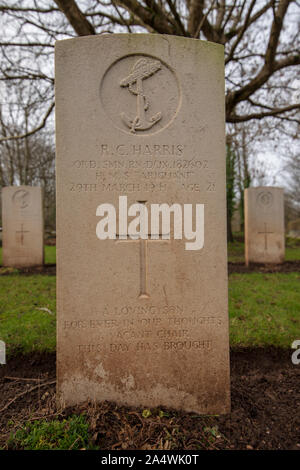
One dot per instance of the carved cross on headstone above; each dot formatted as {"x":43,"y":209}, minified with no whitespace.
{"x":22,"y":231}
{"x":265,"y":233}
{"x":143,"y":256}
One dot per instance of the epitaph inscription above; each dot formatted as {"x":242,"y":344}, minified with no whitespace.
{"x":141,"y":321}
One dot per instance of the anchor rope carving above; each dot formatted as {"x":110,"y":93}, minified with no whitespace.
{"x":142,"y":69}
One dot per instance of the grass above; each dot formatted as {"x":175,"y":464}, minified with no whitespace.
{"x":50,"y":254}
{"x":71,"y":433}
{"x":292,"y":249}
{"x":27,"y":312}
{"x":263,"y":308}
{"x":236,"y":250}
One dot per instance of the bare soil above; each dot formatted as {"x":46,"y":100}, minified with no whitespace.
{"x":265,"y":390}
{"x":286,"y":267}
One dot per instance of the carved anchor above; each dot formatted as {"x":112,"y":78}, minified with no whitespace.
{"x":142,"y":69}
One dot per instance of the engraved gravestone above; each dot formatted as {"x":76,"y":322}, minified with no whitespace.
{"x":264,"y":225}
{"x":143,"y":319}
{"x":2,"y":352}
{"x":236,"y":220}
{"x":23,"y":226}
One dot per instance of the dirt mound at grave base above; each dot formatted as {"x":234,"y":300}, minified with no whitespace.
{"x":265,"y":408}
{"x":286,"y":267}
{"x":51,"y":241}
{"x":47,"y":269}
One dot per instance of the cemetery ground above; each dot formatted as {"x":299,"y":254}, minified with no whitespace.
{"x":264,"y":321}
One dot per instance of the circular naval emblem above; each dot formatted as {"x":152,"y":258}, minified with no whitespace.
{"x":21,"y":198}
{"x":140,"y":94}
{"x":265,"y":199}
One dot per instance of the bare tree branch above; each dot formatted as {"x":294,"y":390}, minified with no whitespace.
{"x":177,"y":17}
{"x":196,"y":16}
{"x":151,"y":17}
{"x":252,"y":59}
{"x":234,"y":31}
{"x":33,"y":131}
{"x":272,"y":112}
{"x":276,"y":28}
{"x":269,"y":67}
{"x":76,"y":18}
{"x":203,"y":19}
{"x":26,"y":44}
{"x":241,"y":33}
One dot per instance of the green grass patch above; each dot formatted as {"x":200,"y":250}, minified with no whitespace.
{"x":292,"y":254}
{"x":71,"y":433}
{"x":236,"y":250}
{"x":50,"y":254}
{"x":292,"y":249}
{"x":27,"y":313}
{"x":264,"y":309}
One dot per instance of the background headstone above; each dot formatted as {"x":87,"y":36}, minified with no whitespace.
{"x":2,"y":352}
{"x":23,"y":226}
{"x":141,"y":323}
{"x":264,"y":225}
{"x":236,"y":220}
{"x":293,"y":228}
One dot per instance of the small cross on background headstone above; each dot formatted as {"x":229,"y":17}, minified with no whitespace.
{"x":22,"y":231}
{"x":265,"y":233}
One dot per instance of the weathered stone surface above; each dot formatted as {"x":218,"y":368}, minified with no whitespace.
{"x":264,"y":225}
{"x":141,"y":322}
{"x":23,"y":226}
{"x":236,"y":220}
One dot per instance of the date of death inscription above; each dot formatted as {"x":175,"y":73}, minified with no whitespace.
{"x":149,"y":168}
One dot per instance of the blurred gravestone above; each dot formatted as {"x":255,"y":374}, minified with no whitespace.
{"x":236,"y":220}
{"x":23,"y":231}
{"x":264,"y":225}
{"x":293,"y":228}
{"x":2,"y":352}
